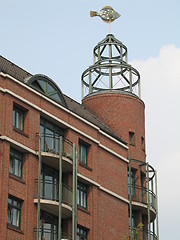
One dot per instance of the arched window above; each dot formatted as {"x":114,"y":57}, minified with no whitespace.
{"x":47,"y":87}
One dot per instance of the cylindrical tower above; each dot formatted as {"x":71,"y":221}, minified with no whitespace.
{"x":111,"y":90}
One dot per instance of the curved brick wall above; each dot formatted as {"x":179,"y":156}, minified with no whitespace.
{"x":123,"y":113}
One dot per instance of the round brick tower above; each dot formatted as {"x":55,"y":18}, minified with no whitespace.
{"x":111,"y":90}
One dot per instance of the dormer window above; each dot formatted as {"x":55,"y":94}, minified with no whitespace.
{"x":47,"y":87}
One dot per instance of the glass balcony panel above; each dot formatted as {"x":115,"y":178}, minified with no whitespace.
{"x":50,"y":191}
{"x":49,"y":234}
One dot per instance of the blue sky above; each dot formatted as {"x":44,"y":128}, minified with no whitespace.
{"x":56,"y":38}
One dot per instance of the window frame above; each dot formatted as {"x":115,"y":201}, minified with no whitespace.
{"x":131,"y":138}
{"x":14,"y":207}
{"x":85,"y":147}
{"x":50,"y":142}
{"x":133,"y":183}
{"x":49,"y":187}
{"x":16,"y":156}
{"x":18,"y":110}
{"x":82,"y":233}
{"x":82,"y":195}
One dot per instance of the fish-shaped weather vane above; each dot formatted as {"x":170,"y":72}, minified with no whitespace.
{"x":107,"y":14}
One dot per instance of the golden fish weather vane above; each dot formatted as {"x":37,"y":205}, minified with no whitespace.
{"x":107,"y":14}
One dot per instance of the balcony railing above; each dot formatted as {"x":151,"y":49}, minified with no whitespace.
{"x":140,"y":194}
{"x":50,"y":191}
{"x":50,"y":144}
{"x":48,"y":234}
{"x":138,"y":234}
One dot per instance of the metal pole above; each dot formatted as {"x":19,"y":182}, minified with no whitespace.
{"x":110,"y":68}
{"x":74,"y":203}
{"x":157,"y":220}
{"x":90,"y":82}
{"x":127,"y":56}
{"x":99,"y":56}
{"x":139,"y":88}
{"x":130,"y":78}
{"x":153,"y":200}
{"x":60,"y":185}
{"x":149,"y":220}
{"x":39,"y":187}
{"x":130,"y":200}
{"x":82,"y":90}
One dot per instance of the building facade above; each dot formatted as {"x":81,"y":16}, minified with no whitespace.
{"x":71,"y":170}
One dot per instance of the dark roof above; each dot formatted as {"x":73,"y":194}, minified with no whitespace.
{"x":15,"y":71}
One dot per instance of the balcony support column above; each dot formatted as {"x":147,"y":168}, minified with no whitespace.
{"x":74,"y":203}
{"x":130,"y":201}
{"x":39,"y":187}
{"x":60,"y":185}
{"x":149,"y":220}
{"x":157,"y":221}
{"x":153,"y":202}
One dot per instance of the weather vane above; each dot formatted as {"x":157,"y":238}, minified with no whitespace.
{"x":107,"y":14}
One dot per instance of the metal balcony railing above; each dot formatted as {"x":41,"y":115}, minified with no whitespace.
{"x":50,"y":144}
{"x":50,"y":191}
{"x":140,"y":194}
{"x":138,"y":234}
{"x":48,"y":234}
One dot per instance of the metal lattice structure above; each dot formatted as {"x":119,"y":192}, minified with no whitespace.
{"x":110,"y":70}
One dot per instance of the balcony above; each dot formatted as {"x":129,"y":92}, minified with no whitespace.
{"x":50,"y":150}
{"x":49,"y":234}
{"x":139,"y":197}
{"x":49,"y":198}
{"x":142,"y":234}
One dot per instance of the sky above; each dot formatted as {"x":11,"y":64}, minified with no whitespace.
{"x":56,"y":38}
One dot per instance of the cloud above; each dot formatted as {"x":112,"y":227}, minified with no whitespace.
{"x":160,"y":77}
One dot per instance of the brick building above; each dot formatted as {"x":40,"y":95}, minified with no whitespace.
{"x":88,"y":157}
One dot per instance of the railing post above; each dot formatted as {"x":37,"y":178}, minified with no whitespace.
{"x":110,"y":68}
{"x":39,"y":187}
{"x":130,"y":200}
{"x":60,"y":186}
{"x":74,"y":204}
{"x":130,"y":79}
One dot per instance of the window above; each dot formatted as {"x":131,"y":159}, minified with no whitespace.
{"x":49,"y":226}
{"x":142,"y":143}
{"x":82,"y":233}
{"x":50,"y":136}
{"x":82,"y":195}
{"x":143,"y":189}
{"x":14,"y":212}
{"x":49,"y":183}
{"x":134,"y":220}
{"x":83,"y":153}
{"x":18,"y":118}
{"x":131,"y":138}
{"x":16,"y":162}
{"x":47,"y":87}
{"x":133,"y":190}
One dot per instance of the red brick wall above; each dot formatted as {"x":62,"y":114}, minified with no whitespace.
{"x":104,"y":168}
{"x":123,"y":113}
